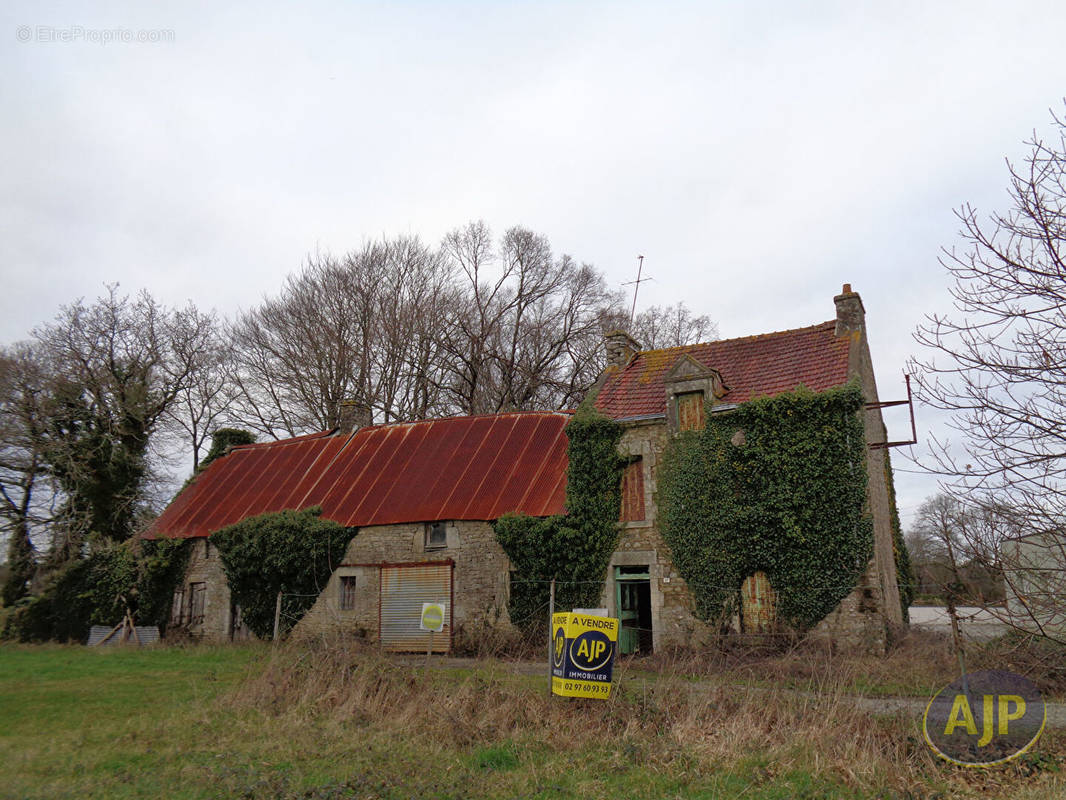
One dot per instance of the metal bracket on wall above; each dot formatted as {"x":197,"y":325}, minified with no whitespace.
{"x":909,"y":402}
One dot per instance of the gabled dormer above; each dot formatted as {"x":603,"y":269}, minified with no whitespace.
{"x":690,"y":387}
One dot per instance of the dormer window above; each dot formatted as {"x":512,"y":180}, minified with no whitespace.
{"x":692,"y":388}
{"x":690,"y":411}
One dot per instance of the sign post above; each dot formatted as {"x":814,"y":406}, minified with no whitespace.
{"x":583,"y":648}
{"x":432,"y":620}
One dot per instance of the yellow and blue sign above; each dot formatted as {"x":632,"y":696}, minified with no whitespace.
{"x":583,"y":648}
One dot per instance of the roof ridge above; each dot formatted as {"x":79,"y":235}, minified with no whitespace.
{"x":566,"y":412}
{"x":750,"y":337}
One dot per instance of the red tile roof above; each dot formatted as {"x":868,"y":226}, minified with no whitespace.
{"x":462,"y":468}
{"x":752,"y":366}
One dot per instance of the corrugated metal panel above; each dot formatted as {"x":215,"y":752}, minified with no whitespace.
{"x":462,"y":468}
{"x":758,"y":606}
{"x":404,"y":588}
{"x":229,"y":489}
{"x":146,"y":634}
{"x":450,"y":469}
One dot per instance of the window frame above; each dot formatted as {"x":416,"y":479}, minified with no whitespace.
{"x":197,"y":596}
{"x":349,"y":585}
{"x":432,"y":528}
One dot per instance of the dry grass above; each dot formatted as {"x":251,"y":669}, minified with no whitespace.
{"x":917,"y":665}
{"x":670,"y":725}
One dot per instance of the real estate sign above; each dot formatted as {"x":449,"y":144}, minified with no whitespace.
{"x":583,"y":648}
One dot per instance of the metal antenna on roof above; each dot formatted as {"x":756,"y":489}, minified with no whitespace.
{"x":636,"y":287}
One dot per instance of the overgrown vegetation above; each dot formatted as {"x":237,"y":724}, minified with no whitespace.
{"x":575,"y":548}
{"x":346,"y":721}
{"x":293,"y":552}
{"x":222,"y":441}
{"x":778,"y":485}
{"x":905,"y":574}
{"x":139,"y":574}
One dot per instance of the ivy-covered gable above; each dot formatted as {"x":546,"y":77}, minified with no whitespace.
{"x":777,"y":485}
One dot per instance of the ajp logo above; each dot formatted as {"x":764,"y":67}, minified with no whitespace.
{"x":591,"y":651}
{"x":559,"y":646}
{"x":986,"y":718}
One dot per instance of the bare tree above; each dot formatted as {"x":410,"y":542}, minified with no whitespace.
{"x":362,"y":328}
{"x":529,"y":334}
{"x":998,"y":364}
{"x":671,"y":326}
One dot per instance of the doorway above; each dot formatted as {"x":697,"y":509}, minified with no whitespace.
{"x":758,"y":604}
{"x":633,"y":601}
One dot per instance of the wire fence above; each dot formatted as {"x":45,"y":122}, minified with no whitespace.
{"x":521,"y":629}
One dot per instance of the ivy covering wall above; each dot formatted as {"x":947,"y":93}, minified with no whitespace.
{"x":574,"y":548}
{"x":778,"y":485}
{"x":908,"y":583}
{"x":96,"y":590}
{"x":293,"y":552}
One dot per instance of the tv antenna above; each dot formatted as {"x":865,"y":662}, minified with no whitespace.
{"x":636,"y":287}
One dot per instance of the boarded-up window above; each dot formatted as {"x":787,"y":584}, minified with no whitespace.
{"x":633,"y":491}
{"x":690,"y":411}
{"x":177,"y":607}
{"x":347,"y":592}
{"x":197,"y":596}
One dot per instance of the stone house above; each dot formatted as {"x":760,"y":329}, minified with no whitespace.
{"x":656,"y":393}
{"x":421,"y":497}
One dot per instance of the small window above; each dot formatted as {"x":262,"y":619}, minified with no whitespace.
{"x":690,"y":411}
{"x":197,"y":598}
{"x":436,"y":535}
{"x":633,"y":491}
{"x":347,"y":592}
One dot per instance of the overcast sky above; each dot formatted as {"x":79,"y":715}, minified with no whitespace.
{"x":759,"y":155}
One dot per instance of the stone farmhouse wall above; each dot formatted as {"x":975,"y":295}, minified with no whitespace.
{"x":204,"y":568}
{"x":479,"y":578}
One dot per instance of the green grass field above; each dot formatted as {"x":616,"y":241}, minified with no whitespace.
{"x":244,"y":722}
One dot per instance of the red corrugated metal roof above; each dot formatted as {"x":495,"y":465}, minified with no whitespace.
{"x":473,"y":468}
{"x":753,"y":366}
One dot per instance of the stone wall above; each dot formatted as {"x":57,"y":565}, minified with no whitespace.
{"x":862,"y":620}
{"x":205,"y":566}
{"x":673,"y":624}
{"x":858,"y":622}
{"x":479,"y":578}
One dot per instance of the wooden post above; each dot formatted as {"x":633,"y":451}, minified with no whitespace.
{"x":429,"y":648}
{"x":277,"y":619}
{"x":551,"y":640}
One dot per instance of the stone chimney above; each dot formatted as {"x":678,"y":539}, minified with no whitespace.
{"x":851,"y":316}
{"x":354,"y":415}
{"x":620,"y":348}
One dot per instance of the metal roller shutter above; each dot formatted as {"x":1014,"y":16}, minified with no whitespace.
{"x":404,"y":588}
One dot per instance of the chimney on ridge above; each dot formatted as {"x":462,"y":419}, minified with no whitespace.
{"x":354,"y":415}
{"x":620,"y":347}
{"x":851,"y":316}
